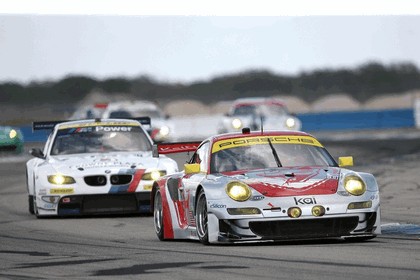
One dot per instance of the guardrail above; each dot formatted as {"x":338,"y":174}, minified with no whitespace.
{"x":201,"y":127}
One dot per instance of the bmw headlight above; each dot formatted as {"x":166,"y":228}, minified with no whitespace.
{"x":12,"y":134}
{"x":153,"y":175}
{"x":59,"y":179}
{"x":164,"y":131}
{"x":290,"y":122}
{"x":354,"y":185}
{"x":236,"y":123}
{"x":238,"y":191}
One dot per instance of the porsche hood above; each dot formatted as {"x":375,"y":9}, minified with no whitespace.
{"x":280,"y":182}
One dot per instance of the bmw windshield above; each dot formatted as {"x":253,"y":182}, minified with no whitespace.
{"x":100,"y":139}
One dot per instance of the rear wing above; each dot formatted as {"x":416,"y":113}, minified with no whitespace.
{"x":49,"y":125}
{"x":172,"y":148}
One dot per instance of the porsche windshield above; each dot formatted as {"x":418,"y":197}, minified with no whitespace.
{"x":262,"y":109}
{"x":100,"y":139}
{"x":262,"y":156}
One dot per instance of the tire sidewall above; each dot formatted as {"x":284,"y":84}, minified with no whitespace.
{"x":159,"y":232}
{"x":201,"y":202}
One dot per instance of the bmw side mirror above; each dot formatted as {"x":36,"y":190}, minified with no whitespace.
{"x":37,"y":153}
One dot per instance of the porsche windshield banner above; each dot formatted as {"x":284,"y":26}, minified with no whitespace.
{"x":263,"y":140}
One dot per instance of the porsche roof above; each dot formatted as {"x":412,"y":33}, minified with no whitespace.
{"x":258,"y":133}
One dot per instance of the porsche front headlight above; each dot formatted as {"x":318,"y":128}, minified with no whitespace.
{"x":354,"y":185}
{"x":59,"y":179}
{"x":290,"y":122}
{"x":238,"y":191}
{"x":153,"y":175}
{"x":236,"y":123}
{"x":12,"y":134}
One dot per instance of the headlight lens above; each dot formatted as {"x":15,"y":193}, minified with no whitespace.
{"x":294,"y":212}
{"x":238,"y":191}
{"x":354,"y":185}
{"x":290,"y":122}
{"x":153,"y":175}
{"x":12,"y":134}
{"x":236,"y":123}
{"x":318,"y":211}
{"x":164,"y":131}
{"x":50,"y":198}
{"x":59,"y":179}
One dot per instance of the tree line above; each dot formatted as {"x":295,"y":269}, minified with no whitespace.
{"x":362,"y":83}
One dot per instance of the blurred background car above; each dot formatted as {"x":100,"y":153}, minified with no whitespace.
{"x":251,"y":112}
{"x":160,"y":129}
{"x":11,"y":139}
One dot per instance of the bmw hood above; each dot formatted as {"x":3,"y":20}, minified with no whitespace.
{"x":280,"y":182}
{"x":93,"y":163}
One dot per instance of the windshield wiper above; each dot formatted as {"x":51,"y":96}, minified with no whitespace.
{"x":276,"y":156}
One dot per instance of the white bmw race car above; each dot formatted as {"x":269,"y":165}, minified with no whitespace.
{"x":258,"y":186}
{"x":95,"y":166}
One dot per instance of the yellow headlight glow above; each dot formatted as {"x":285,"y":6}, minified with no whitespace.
{"x":153,"y":175}
{"x":236,"y":123}
{"x":59,"y":179}
{"x":354,"y":185}
{"x":318,"y":211}
{"x":294,"y":212}
{"x":360,"y":205}
{"x":238,"y":191}
{"x":12,"y":134}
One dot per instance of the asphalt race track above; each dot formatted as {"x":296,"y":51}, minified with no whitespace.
{"x":126,"y":247}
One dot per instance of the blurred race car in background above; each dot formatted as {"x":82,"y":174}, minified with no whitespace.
{"x":251,"y":112}
{"x":11,"y":140}
{"x":256,"y":186}
{"x":89,"y":111}
{"x":161,"y":128}
{"x":95,"y":166}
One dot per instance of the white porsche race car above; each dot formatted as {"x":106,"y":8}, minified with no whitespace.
{"x":253,"y":112}
{"x":259,"y":186}
{"x":96,"y":166}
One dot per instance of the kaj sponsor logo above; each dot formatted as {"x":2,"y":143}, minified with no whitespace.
{"x":304,"y":200}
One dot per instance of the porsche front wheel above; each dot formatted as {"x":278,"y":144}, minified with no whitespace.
{"x":201,"y":218}
{"x":158,"y":215}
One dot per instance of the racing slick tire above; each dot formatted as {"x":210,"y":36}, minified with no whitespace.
{"x":158,"y":216}
{"x":31,"y":204}
{"x":35,"y":208}
{"x":202,"y":218}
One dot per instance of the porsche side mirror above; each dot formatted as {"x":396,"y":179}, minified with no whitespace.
{"x":345,"y":161}
{"x":37,"y":153}
{"x":191,"y":168}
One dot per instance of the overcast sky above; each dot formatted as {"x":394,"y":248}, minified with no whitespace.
{"x":179,"y":48}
